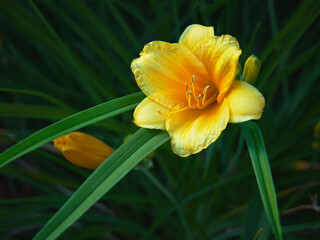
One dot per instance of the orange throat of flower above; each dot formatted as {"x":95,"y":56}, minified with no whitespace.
{"x":196,"y":100}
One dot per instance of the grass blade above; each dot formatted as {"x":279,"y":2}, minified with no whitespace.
{"x":126,"y":157}
{"x":69,"y":124}
{"x":34,"y":111}
{"x":263,"y":175}
{"x":300,"y":227}
{"x":42,"y":95}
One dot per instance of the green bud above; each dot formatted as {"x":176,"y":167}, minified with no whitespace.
{"x":317,"y":131}
{"x":316,"y":145}
{"x":251,"y":69}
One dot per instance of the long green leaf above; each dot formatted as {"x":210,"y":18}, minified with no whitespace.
{"x":32,"y":111}
{"x":126,"y":157}
{"x":69,"y":124}
{"x":263,"y":175}
{"x":47,"y":97}
{"x":54,"y":113}
{"x":299,"y":227}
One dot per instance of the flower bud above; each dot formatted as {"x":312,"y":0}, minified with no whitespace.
{"x":316,"y":145}
{"x":317,"y":131}
{"x":83,"y":150}
{"x":251,"y":69}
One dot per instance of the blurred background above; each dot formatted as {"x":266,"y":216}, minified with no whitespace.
{"x":60,"y":57}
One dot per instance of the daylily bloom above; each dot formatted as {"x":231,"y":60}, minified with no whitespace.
{"x":191,"y":88}
{"x":83,"y":150}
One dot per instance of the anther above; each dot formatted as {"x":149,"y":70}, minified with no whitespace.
{"x":193,"y":80}
{"x":187,"y":88}
{"x":198,"y":97}
{"x":193,"y":86}
{"x":189,"y":98}
{"x":205,"y":89}
{"x":205,"y":94}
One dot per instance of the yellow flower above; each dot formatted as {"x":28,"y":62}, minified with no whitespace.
{"x":190,"y":88}
{"x":83,"y":150}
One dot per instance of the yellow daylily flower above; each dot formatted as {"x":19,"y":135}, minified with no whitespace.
{"x":83,"y":150}
{"x":191,"y":88}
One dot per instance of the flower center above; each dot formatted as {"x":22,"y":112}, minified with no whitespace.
{"x":199,"y":101}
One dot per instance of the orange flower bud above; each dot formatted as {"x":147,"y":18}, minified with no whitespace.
{"x":83,"y":150}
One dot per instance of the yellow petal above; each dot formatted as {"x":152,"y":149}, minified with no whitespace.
{"x":163,"y":70}
{"x":83,"y":150}
{"x":220,"y":56}
{"x":194,"y":34}
{"x":245,"y":102}
{"x":83,"y":159}
{"x":147,"y":115}
{"x":193,"y":130}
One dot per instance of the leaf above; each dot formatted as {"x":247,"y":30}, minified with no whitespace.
{"x":32,"y":111}
{"x":69,"y":124}
{"x":263,"y":175}
{"x":54,"y":113}
{"x":251,"y":225}
{"x":47,"y":97}
{"x":126,"y":157}
{"x":300,"y":227}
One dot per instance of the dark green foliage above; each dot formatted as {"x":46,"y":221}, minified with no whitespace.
{"x":61,"y":57}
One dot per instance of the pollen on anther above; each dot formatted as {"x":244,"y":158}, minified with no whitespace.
{"x":193,"y":80}
{"x":205,"y":89}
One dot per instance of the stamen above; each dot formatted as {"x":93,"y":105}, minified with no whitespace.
{"x":192,"y":94}
{"x":193,"y":80}
{"x":198,"y":102}
{"x":205,"y":89}
{"x":189,"y":98}
{"x":193,"y":86}
{"x":205,"y":94}
{"x":210,"y":100}
{"x":198,"y":105}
